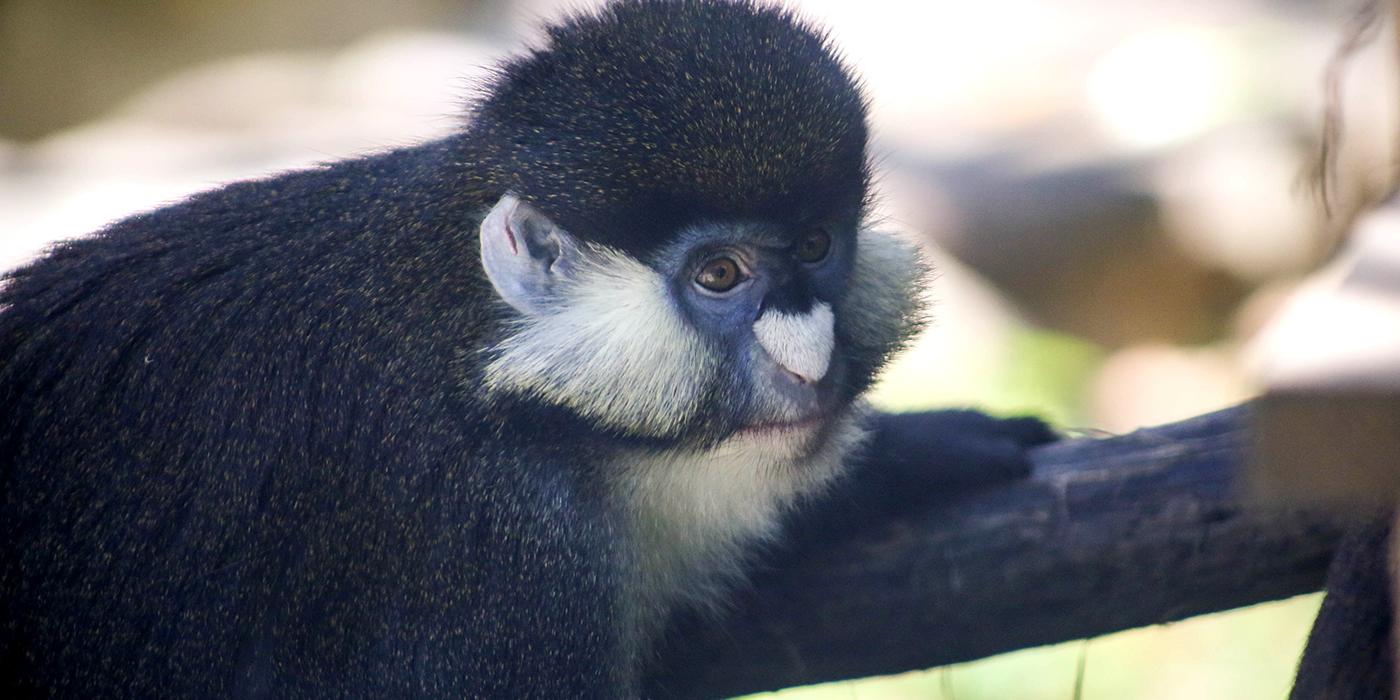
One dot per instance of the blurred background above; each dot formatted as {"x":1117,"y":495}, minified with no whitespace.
{"x":1116,"y":196}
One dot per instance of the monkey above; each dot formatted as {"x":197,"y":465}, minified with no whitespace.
{"x":473,"y":417}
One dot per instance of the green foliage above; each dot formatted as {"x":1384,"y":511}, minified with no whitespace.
{"x":1021,"y":371}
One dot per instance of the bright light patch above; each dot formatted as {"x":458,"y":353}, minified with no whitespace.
{"x":1163,"y":87}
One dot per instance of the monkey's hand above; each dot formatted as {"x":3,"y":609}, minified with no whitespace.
{"x":913,"y":461}
{"x":948,"y":450}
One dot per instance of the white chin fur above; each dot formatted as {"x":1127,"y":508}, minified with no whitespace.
{"x":801,"y":343}
{"x":696,"y":513}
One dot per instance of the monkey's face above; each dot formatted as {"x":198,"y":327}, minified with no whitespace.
{"x":745,"y":330}
{"x":691,"y":267}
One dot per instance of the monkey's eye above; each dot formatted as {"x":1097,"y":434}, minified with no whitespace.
{"x":720,"y":275}
{"x":814,"y":246}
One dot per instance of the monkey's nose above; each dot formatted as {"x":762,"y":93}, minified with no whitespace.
{"x":799,"y":343}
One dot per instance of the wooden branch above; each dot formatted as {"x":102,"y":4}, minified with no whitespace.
{"x":1106,"y":535}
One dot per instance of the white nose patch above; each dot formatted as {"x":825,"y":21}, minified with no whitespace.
{"x":801,"y":343}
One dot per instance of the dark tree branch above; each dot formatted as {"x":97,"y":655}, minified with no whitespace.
{"x":1106,"y":535}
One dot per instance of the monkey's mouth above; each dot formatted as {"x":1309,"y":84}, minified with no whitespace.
{"x":787,"y":409}
{"x":778,"y":428}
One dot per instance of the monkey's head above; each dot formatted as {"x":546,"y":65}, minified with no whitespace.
{"x":681,"y":188}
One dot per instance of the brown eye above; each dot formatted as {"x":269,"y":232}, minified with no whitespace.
{"x":719,"y":275}
{"x":814,"y":246}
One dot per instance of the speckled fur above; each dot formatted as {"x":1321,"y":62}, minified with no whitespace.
{"x":698,"y":111}
{"x":247,"y":446}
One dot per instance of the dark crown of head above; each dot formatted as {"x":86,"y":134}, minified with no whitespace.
{"x":653,"y":114}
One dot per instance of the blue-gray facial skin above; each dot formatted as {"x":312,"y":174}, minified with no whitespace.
{"x":724,"y":277}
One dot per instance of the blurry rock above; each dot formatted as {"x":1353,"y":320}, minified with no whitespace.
{"x":94,"y":54}
{"x":1328,"y":425}
{"x":9,"y":156}
{"x":233,"y":119}
{"x":1341,"y":328}
{"x":1156,"y":384}
{"x":1233,"y":198}
{"x":382,"y":84}
{"x":1263,"y":305}
{"x":1082,"y":249}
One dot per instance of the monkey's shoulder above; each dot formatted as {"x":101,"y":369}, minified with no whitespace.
{"x":374,"y":246}
{"x":332,"y":214}
{"x":317,"y":302}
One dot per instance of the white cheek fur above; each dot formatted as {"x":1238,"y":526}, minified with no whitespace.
{"x":884,"y":306}
{"x":613,"y":348}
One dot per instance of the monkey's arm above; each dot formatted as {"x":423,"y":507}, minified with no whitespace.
{"x":915,"y":458}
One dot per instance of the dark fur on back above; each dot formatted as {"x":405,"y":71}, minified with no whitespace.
{"x":654,"y":114}
{"x":236,"y":459}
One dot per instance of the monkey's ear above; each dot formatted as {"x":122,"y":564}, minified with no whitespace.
{"x":525,"y":255}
